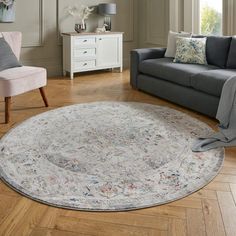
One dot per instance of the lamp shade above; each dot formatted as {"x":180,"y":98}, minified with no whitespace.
{"x":107,"y":9}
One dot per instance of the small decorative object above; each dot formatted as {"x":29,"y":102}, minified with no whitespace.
{"x":7,"y":11}
{"x":102,"y":29}
{"x":80,"y":14}
{"x":80,"y":28}
{"x":107,"y":9}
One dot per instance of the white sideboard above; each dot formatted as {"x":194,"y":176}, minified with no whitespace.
{"x":92,"y":51}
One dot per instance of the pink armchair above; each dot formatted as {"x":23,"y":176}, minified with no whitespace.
{"x":19,"y":80}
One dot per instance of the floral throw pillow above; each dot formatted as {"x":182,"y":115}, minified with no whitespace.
{"x":191,"y":51}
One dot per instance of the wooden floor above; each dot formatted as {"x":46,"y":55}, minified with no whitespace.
{"x":211,"y":211}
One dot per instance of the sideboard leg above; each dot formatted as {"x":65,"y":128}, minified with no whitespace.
{"x":71,"y":75}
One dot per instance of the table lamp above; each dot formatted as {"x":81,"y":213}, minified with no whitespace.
{"x":107,"y":9}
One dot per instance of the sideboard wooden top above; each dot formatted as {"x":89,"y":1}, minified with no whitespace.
{"x":90,"y":33}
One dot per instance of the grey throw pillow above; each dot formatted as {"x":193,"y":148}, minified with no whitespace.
{"x":7,"y":57}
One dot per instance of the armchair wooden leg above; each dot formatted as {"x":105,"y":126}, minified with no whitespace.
{"x":7,"y":109}
{"x":42,"y":92}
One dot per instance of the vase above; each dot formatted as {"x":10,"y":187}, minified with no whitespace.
{"x":80,"y":28}
{"x":7,"y":14}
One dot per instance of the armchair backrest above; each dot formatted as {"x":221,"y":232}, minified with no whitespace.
{"x":14,"y":40}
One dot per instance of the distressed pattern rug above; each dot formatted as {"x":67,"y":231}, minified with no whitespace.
{"x":107,"y":156}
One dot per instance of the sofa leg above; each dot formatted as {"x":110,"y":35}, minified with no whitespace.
{"x":7,"y":109}
{"x":42,"y":92}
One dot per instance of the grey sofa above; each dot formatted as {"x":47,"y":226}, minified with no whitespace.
{"x":197,"y":87}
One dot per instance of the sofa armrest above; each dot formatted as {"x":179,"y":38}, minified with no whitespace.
{"x":139,"y":55}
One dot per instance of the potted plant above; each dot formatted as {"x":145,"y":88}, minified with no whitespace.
{"x":80,"y":14}
{"x":7,"y":11}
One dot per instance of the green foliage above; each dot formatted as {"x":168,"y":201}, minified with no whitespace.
{"x":211,"y":21}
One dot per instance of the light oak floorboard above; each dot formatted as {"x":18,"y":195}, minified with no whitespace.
{"x":213,"y":219}
{"x":205,"y":194}
{"x":164,"y":210}
{"x":218,"y":186}
{"x":188,"y":202}
{"x":233,"y":190}
{"x":122,"y":218}
{"x":53,"y":232}
{"x":228,"y":210}
{"x":226,"y":178}
{"x":7,"y":203}
{"x":228,"y":170}
{"x":8,"y":225}
{"x":177,"y":227}
{"x":195,"y":223}
{"x":93,"y":227}
{"x":30,"y":220}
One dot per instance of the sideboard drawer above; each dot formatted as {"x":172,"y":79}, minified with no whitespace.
{"x":83,"y":65}
{"x":86,"y":52}
{"x":84,"y":41}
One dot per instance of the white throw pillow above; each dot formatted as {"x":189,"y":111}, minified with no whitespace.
{"x":171,"y":45}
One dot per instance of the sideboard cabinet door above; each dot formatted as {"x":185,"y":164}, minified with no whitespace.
{"x":109,"y":50}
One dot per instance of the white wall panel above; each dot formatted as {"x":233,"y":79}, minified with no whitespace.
{"x":153,"y":22}
{"x":157,"y":21}
{"x":29,"y":20}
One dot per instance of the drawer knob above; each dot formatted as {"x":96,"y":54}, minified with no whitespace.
{"x":85,"y":64}
{"x":100,"y":39}
{"x":85,"y":52}
{"x":85,"y":40}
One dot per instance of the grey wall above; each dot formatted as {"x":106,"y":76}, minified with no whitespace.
{"x":42,"y":21}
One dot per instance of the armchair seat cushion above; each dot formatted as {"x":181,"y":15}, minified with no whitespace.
{"x":19,"y":80}
{"x":166,"y":69}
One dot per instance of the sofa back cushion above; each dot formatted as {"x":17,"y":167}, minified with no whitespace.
{"x":217,"y":49}
{"x":231,"y":63}
{"x":171,"y":44}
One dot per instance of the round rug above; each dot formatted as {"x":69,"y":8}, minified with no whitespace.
{"x":107,"y":156}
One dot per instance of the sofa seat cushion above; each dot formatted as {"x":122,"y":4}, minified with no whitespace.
{"x":211,"y":82}
{"x":19,"y":80}
{"x":165,"y":68}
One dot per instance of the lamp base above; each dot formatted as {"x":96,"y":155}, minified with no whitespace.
{"x":107,"y":23}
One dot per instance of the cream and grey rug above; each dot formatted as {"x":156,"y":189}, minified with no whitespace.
{"x":107,"y":156}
